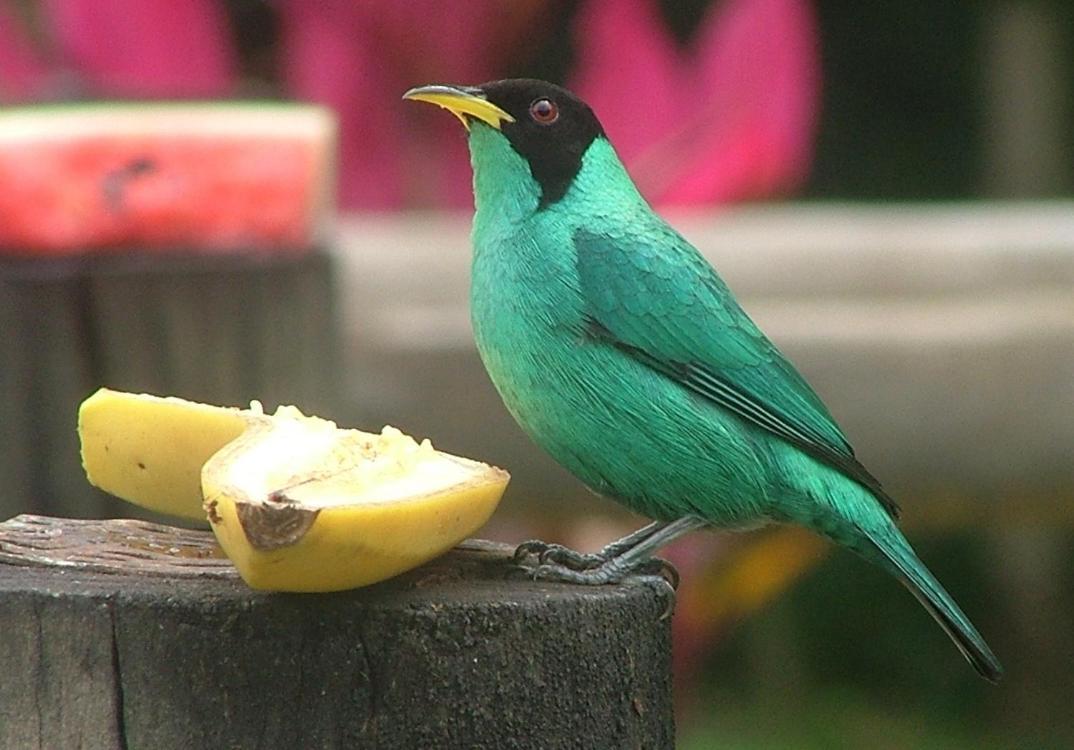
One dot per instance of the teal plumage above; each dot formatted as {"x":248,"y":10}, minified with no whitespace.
{"x":621,"y":352}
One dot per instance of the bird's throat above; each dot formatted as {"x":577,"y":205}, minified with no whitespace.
{"x":504,"y":186}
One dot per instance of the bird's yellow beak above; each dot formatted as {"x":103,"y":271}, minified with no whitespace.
{"x":461,"y":102}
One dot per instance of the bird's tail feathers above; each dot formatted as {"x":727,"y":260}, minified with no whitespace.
{"x":896,"y":551}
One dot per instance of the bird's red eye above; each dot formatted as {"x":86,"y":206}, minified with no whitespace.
{"x":544,"y":111}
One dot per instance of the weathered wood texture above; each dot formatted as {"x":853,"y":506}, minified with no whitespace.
{"x":220,"y":329}
{"x":456,"y":654}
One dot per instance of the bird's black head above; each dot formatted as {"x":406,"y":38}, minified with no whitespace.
{"x":546,"y":124}
{"x":552,"y":129}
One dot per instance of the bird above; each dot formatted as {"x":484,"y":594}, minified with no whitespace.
{"x":621,"y":352}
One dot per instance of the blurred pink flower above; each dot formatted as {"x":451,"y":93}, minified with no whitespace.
{"x":145,"y":48}
{"x":359,"y":57}
{"x":730,"y":117}
{"x":119,"y":48}
{"x":22,"y":69}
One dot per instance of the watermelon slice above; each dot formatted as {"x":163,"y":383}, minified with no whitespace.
{"x":150,"y":177}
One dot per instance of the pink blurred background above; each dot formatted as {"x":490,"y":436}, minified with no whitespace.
{"x":728,"y":115}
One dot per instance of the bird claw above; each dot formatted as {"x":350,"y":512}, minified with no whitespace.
{"x":557,"y":573}
{"x":665,"y":576}
{"x":662,"y":582}
{"x":602,"y":571}
{"x":659,"y":568}
{"x":533,"y":547}
{"x":556,"y":555}
{"x":559,"y":564}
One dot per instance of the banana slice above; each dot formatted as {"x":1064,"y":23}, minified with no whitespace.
{"x":149,"y":450}
{"x":297,"y":503}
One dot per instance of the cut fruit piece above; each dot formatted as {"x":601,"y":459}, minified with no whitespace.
{"x":165,"y":177}
{"x":150,"y":450}
{"x":296,"y":503}
{"x":301,"y":505}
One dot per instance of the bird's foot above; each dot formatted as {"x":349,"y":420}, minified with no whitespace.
{"x":555,"y":555}
{"x":599,"y":571}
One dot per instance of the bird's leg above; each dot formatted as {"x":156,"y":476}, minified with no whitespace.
{"x":636,"y":558}
{"x":560,"y":555}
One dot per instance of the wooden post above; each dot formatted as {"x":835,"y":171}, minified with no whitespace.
{"x":123,"y":634}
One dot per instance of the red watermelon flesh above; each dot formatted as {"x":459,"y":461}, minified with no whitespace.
{"x":197,"y":178}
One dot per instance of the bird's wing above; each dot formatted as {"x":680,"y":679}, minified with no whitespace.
{"x":658,"y":300}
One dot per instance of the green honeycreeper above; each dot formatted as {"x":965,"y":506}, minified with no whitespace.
{"x":621,"y":352}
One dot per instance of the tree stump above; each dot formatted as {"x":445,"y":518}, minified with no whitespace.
{"x":124,"y":634}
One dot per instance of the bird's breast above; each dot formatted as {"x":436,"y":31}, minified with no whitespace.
{"x":619,"y":426}
{"x":526,"y":307}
